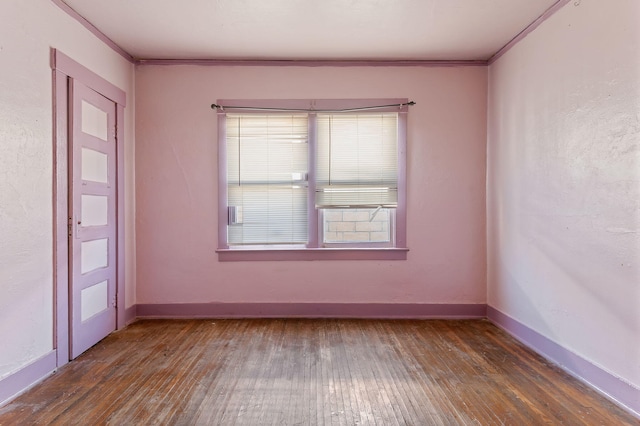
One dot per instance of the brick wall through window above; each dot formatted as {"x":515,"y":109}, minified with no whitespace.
{"x":357,"y":225}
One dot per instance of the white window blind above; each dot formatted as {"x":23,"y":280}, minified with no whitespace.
{"x":267,"y":169}
{"x":357,"y":161}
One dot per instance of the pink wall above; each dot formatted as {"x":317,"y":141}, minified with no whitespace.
{"x":28,"y":31}
{"x":176,"y":199}
{"x":564,"y":183}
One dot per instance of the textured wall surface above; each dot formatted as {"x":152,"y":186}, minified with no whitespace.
{"x":28,"y":30}
{"x":564,"y":183}
{"x":176,"y":187}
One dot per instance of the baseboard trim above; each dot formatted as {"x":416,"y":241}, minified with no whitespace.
{"x":130,"y":314}
{"x":311,"y":310}
{"x":613,"y":387}
{"x":28,"y":376}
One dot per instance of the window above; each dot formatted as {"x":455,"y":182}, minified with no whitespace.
{"x":357,"y":176}
{"x":267,"y":169}
{"x":324,"y":177}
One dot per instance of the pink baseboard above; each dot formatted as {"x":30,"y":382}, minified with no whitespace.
{"x":130,"y":314}
{"x":311,"y":310}
{"x":612,"y":387}
{"x":28,"y":376}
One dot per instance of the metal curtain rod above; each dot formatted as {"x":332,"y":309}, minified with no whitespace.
{"x":250,"y":108}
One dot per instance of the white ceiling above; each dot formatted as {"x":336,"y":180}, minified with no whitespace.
{"x":311,"y":29}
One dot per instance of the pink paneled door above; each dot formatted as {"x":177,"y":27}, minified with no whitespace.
{"x":92,"y":217}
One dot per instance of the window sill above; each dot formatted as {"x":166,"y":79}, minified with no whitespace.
{"x":387,"y":253}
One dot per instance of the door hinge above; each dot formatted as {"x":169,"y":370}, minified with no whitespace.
{"x":114,"y":302}
{"x":69,"y":226}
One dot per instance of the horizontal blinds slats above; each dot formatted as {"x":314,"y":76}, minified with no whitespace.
{"x":356,"y":197}
{"x":266,"y":148}
{"x":267,"y":165}
{"x":275,"y":216}
{"x":357,"y":162}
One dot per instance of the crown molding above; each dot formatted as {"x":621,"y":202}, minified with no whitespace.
{"x":313,"y":62}
{"x":530,"y":28}
{"x":93,"y":30}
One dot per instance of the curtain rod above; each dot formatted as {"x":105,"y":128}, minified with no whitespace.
{"x":250,"y":108}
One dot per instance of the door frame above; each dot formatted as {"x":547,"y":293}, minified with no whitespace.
{"x":65,"y":69}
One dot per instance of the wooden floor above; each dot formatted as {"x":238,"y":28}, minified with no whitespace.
{"x":311,"y":372}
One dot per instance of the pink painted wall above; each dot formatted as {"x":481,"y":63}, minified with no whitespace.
{"x":564,"y":183}
{"x":176,"y":197}
{"x":28,"y":30}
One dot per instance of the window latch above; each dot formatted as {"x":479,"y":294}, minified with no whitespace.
{"x":374,"y":213}
{"x":235,"y":215}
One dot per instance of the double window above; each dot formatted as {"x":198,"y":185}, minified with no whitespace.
{"x":312,"y":176}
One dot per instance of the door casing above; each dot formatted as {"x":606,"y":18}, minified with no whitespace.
{"x":65,"y":69}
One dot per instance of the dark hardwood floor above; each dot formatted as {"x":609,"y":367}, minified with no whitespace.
{"x":311,"y":372}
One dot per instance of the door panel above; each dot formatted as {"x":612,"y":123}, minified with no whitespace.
{"x":95,"y":210}
{"x":94,"y":255}
{"x":94,"y":166}
{"x":94,"y":120}
{"x":92,"y":236}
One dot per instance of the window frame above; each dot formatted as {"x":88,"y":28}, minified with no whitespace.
{"x":314,"y":249}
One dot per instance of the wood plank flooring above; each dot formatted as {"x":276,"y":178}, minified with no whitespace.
{"x":311,"y":372}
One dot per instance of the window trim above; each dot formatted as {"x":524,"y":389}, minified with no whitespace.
{"x":248,"y":254}
{"x":314,"y":249}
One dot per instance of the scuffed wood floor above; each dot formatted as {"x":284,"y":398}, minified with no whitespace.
{"x":311,"y":372}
